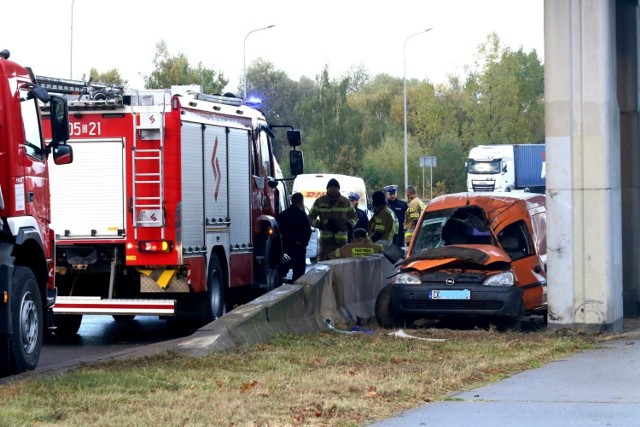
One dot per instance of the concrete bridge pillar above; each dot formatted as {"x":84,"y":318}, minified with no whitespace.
{"x":584,"y":190}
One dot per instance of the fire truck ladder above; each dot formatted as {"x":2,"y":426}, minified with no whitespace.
{"x":148,"y":209}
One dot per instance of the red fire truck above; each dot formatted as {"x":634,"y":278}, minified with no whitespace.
{"x":173,"y":213}
{"x":27,"y":289}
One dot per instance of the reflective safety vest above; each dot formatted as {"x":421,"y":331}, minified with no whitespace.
{"x":411,"y":217}
{"x":358,"y":248}
{"x":384,"y":221}
{"x":340,"y":210}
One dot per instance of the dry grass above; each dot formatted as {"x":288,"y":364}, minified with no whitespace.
{"x":328,"y":379}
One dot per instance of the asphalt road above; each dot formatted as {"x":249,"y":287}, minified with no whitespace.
{"x":102,"y":335}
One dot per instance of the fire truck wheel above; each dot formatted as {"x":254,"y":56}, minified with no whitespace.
{"x":27,"y":315}
{"x":383,"y":310}
{"x":215,"y":289}
{"x":268,"y":275}
{"x":67,"y":325}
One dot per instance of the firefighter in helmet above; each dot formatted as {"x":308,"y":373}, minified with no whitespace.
{"x":332,"y":214}
{"x":383,"y":225}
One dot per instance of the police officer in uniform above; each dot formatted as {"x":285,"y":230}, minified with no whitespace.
{"x":398,"y":207}
{"x":363,"y":220}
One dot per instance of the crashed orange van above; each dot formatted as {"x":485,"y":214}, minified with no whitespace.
{"x":473,"y":256}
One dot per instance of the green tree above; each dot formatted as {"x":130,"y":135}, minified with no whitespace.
{"x":504,"y":103}
{"x":176,"y":70}
{"x":110,"y":77}
{"x":330,"y":124}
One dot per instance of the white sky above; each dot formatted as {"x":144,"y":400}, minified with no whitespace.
{"x":307,"y":34}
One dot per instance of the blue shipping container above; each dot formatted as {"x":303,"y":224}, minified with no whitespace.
{"x":528,"y":160}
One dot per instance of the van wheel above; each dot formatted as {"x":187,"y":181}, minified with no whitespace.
{"x":215,"y":290}
{"x":67,"y":325}
{"x":27,"y":317}
{"x":384,"y":313}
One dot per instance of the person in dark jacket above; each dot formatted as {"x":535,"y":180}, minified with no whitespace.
{"x":363,"y":220}
{"x":295,"y":228}
{"x":399,"y":208}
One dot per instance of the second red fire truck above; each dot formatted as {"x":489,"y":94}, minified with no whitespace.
{"x":169,"y":208}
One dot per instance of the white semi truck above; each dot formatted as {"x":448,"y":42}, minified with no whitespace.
{"x":506,"y":167}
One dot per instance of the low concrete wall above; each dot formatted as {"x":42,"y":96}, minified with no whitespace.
{"x":342,"y":291}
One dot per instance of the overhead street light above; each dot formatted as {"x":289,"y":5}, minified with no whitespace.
{"x":244,"y":57}
{"x":406,"y":144}
{"x":71,"y":48}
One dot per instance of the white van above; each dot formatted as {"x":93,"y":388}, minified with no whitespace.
{"x":314,"y":185}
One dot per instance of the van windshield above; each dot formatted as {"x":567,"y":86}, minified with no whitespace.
{"x":490,"y":166}
{"x":444,"y":228}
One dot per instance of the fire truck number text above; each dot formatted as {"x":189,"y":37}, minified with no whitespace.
{"x":86,"y":129}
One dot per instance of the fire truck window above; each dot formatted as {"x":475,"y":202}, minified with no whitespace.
{"x":32,"y":138}
{"x":265,"y":154}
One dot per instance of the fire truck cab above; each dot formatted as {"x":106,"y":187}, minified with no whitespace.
{"x":173,"y":213}
{"x":27,"y":288}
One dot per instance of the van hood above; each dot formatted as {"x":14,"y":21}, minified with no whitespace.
{"x":458,"y":255}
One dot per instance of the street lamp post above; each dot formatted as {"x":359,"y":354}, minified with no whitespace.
{"x":244,"y":57}
{"x":71,"y":47}
{"x":406,"y":144}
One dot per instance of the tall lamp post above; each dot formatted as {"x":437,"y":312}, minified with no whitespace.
{"x":244,"y":57}
{"x":406,"y":144}
{"x":71,"y":47}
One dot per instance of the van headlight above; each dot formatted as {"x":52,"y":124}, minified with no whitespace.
{"x":502,"y":279}
{"x":408,"y":278}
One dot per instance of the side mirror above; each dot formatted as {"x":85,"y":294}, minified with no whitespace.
{"x":59,"y":119}
{"x":296,"y":162}
{"x":62,"y":154}
{"x":294,"y":138}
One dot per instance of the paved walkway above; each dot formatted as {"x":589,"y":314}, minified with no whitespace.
{"x":598,"y":387}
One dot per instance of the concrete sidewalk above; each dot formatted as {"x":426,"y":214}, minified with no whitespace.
{"x":598,"y":387}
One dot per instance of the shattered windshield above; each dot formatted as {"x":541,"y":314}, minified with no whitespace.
{"x":429,"y":231}
{"x":491,"y":166}
{"x":455,"y":226}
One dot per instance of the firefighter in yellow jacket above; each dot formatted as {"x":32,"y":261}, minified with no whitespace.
{"x":411,"y":217}
{"x":383,"y":225}
{"x":332,"y":214}
{"x":359,"y":246}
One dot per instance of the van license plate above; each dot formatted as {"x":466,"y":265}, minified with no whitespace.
{"x":449,"y":294}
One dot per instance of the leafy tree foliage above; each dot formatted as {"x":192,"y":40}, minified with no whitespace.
{"x":354,"y":124}
{"x":176,"y":70}
{"x":110,"y":77}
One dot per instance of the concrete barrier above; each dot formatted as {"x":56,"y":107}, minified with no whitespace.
{"x":341,"y":291}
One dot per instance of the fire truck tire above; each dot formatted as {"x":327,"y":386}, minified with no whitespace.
{"x":215,"y":289}
{"x":383,"y":310}
{"x":268,"y":275}
{"x":67,"y":325}
{"x":28,"y":321}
